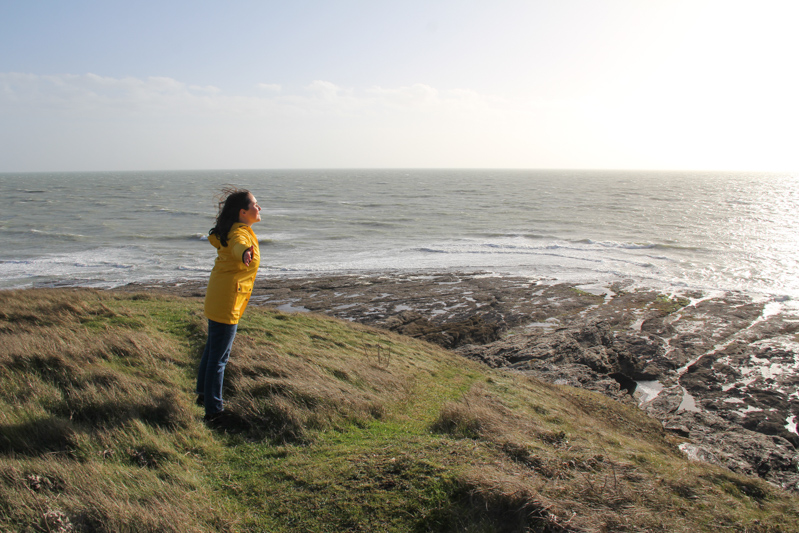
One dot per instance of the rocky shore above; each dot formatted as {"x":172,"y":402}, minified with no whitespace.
{"x":720,"y":370}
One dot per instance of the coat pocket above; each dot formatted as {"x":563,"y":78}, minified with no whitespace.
{"x":245,"y":286}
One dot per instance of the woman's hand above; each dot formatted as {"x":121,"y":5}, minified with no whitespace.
{"x":246,"y":257}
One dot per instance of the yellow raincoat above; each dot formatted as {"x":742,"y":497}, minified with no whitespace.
{"x":231,"y":282}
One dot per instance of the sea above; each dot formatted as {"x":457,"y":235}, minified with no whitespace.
{"x":665,"y":230}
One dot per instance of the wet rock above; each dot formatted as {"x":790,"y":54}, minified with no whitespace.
{"x":665,"y":403}
{"x":642,"y":356}
{"x":576,"y":375}
{"x":698,"y":453}
{"x":740,"y":449}
{"x":677,"y":428}
{"x":473,"y":330}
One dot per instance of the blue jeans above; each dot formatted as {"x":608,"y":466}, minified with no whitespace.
{"x":212,"y":365}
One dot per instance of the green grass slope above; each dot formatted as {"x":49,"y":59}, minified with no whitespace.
{"x":339,"y":428}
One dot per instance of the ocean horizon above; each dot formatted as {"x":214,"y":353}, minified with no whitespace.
{"x":662,"y":229}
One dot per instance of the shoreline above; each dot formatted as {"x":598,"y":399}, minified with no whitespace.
{"x":442,"y":299}
{"x":333,"y":293}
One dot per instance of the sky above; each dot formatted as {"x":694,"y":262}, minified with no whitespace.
{"x":583,"y":84}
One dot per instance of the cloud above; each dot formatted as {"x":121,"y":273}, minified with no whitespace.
{"x":271,"y":87}
{"x":324,"y":89}
{"x":415,"y":95}
{"x":91,"y":93}
{"x":94,"y":95}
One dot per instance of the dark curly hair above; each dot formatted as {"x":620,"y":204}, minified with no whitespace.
{"x":231,"y":202}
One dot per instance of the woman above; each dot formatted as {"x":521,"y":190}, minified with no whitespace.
{"x":229,"y":290}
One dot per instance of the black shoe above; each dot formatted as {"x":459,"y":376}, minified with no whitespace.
{"x":225,"y":421}
{"x":213,"y":417}
{"x":200,"y":400}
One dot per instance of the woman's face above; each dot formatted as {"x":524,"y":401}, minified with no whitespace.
{"x":251,"y":215}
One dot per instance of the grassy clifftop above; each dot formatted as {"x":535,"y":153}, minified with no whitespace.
{"x":338,"y":428}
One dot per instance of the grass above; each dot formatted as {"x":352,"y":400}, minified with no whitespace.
{"x":669,"y":304}
{"x":340,"y":428}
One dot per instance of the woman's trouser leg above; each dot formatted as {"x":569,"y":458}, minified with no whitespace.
{"x":211,"y":372}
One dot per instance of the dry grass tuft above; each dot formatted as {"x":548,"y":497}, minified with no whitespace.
{"x":478,"y":414}
{"x":38,"y":436}
{"x":52,"y":495}
{"x":506,"y":502}
{"x":291,"y":396}
{"x":70,"y":368}
{"x":483,"y":414}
